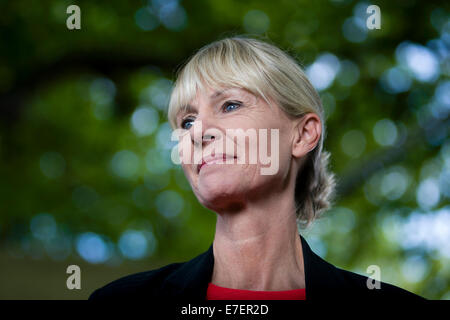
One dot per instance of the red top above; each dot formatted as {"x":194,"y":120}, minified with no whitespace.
{"x":220,"y":293}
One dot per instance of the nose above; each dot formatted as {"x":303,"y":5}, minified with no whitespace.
{"x":203,"y":132}
{"x":208,"y":137}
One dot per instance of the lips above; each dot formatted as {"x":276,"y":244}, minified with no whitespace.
{"x":214,"y":159}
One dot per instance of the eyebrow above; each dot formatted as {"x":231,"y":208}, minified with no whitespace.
{"x":218,"y":93}
{"x":191,"y":109}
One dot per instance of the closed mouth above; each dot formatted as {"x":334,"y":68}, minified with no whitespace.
{"x":215,"y":159}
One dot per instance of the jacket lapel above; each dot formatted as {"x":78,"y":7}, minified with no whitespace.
{"x":321,"y":278}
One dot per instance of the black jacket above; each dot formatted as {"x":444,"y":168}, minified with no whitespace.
{"x":189,"y":281}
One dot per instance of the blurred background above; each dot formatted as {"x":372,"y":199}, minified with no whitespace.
{"x":85,"y":170}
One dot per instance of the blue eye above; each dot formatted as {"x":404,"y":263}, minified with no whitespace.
{"x":230,"y":106}
{"x":187,"y":123}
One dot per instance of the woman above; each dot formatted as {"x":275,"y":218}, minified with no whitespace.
{"x":233,"y":91}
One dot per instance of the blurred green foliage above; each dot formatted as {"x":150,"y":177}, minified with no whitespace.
{"x":85,"y":144}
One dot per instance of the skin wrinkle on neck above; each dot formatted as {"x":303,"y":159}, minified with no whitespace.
{"x":269,"y":258}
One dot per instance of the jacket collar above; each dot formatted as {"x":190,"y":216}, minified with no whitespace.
{"x":191,"y":280}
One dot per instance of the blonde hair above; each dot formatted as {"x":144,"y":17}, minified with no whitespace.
{"x":268,"y":72}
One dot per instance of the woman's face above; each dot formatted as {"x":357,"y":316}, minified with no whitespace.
{"x":215,"y":115}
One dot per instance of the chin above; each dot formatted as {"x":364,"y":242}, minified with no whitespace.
{"x":218,"y":191}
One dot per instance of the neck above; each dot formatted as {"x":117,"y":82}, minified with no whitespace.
{"x":258,"y":247}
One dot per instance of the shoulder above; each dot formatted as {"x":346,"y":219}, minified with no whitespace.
{"x":326,"y":281}
{"x":359,"y":286}
{"x":136,"y":286}
{"x":177,"y":280}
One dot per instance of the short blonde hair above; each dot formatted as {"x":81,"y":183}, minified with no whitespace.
{"x":270,"y":73}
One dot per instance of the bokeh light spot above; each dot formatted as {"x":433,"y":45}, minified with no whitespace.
{"x":144,"y":121}
{"x":52,"y":164}
{"x":92,"y":248}
{"x":125,"y":164}
{"x":169,"y":203}
{"x":256,"y":21}
{"x":353,"y":143}
{"x":385,"y":132}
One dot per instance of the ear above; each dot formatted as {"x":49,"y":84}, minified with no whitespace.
{"x":306,"y":132}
